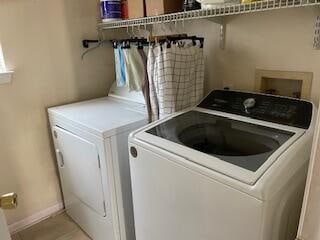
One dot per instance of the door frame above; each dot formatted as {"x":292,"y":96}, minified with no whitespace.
{"x":4,"y":230}
{"x":311,"y":178}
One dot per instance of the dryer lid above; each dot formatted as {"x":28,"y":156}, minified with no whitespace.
{"x":103,"y":117}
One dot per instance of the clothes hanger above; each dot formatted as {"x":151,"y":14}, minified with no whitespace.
{"x":165,"y":37}
{"x":175,"y":38}
{"x":125,"y":43}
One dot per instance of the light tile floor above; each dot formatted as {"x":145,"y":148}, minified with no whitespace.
{"x":59,"y":227}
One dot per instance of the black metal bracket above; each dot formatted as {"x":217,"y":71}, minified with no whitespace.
{"x":86,"y":42}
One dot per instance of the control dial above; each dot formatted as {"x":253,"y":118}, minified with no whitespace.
{"x":249,"y":103}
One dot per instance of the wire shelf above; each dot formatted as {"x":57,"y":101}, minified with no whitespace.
{"x":219,"y":11}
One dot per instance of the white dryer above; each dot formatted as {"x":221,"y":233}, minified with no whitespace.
{"x":232,"y":168}
{"x":91,"y":144}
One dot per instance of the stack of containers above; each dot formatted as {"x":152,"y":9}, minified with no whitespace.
{"x":113,"y":10}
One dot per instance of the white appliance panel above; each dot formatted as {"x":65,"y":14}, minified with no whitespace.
{"x":121,"y":167}
{"x":97,"y":227}
{"x":79,"y":164}
{"x":169,"y":202}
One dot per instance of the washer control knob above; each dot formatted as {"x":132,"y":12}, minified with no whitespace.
{"x":134,"y":152}
{"x":249,"y":103}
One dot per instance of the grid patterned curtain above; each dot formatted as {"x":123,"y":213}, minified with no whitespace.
{"x":176,"y":77}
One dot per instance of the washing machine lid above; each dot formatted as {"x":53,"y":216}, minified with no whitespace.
{"x":242,"y":144}
{"x":238,"y":147}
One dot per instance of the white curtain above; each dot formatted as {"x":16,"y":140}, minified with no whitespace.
{"x":309,"y":228}
{"x":176,"y":77}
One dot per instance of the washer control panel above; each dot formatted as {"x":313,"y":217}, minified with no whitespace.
{"x":277,"y":109}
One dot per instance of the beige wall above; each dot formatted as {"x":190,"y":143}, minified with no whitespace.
{"x":41,"y":40}
{"x":276,"y":40}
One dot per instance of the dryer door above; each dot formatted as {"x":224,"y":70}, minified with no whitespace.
{"x":80,"y":170}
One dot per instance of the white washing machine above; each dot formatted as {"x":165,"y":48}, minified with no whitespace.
{"x":232,"y":168}
{"x":91,"y":144}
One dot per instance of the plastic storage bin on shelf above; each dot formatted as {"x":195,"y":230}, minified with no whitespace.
{"x":209,"y":4}
{"x":110,"y":10}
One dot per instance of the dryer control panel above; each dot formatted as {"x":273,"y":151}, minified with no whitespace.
{"x":276,"y":109}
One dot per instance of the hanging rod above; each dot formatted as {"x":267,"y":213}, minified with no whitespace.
{"x":218,"y":11}
{"x":86,"y":42}
{"x":86,"y":45}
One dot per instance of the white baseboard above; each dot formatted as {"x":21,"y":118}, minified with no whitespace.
{"x":35,"y":218}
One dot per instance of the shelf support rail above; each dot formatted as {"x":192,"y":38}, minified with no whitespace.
{"x":222,"y":23}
